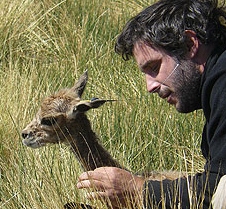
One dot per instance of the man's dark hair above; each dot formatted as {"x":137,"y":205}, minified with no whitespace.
{"x":163,"y":26}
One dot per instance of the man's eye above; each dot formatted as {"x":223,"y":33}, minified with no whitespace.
{"x":152,"y":68}
{"x":155,"y":68}
{"x":48,"y":121}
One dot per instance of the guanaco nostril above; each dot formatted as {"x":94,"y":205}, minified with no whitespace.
{"x":24,"y":135}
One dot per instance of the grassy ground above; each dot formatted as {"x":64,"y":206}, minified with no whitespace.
{"x":45,"y":45}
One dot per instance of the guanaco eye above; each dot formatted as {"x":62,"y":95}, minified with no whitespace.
{"x":48,"y":121}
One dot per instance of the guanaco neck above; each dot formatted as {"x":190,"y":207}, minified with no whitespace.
{"x":84,"y":144}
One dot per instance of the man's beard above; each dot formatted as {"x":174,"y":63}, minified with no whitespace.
{"x":187,"y":80}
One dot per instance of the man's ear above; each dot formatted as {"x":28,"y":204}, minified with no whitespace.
{"x":192,"y":43}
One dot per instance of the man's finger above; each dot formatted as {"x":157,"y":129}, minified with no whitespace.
{"x":93,"y":184}
{"x":85,"y":175}
{"x":83,"y":184}
{"x":96,"y":174}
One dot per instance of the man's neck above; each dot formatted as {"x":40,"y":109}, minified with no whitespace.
{"x":203,"y":54}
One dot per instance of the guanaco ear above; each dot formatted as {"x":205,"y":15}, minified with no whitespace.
{"x":80,"y":85}
{"x":84,"y":106}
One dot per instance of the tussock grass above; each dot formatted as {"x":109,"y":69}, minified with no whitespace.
{"x":46,"y":45}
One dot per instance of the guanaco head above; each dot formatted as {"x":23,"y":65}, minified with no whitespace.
{"x":57,"y":113}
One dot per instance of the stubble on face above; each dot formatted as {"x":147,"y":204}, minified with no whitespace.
{"x":187,"y":81}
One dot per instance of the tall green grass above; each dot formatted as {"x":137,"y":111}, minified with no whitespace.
{"x":46,"y":45}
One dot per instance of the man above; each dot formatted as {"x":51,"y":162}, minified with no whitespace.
{"x":180,"y":47}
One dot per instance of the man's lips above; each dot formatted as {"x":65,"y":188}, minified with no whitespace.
{"x":168,"y":95}
{"x":164,"y":94}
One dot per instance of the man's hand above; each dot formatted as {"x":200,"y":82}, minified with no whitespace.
{"x":113,"y":185}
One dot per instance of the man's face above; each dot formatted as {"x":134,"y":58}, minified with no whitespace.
{"x":177,"y":83}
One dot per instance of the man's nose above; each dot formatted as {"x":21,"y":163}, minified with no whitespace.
{"x":152,"y":85}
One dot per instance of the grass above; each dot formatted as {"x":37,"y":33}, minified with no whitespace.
{"x":46,"y":45}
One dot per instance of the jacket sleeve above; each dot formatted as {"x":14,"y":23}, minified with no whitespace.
{"x":183,"y":193}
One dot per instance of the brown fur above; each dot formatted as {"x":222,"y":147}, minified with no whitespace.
{"x":59,"y":120}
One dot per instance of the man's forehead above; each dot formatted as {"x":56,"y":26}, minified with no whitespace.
{"x":144,"y":53}
{"x":142,"y":46}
